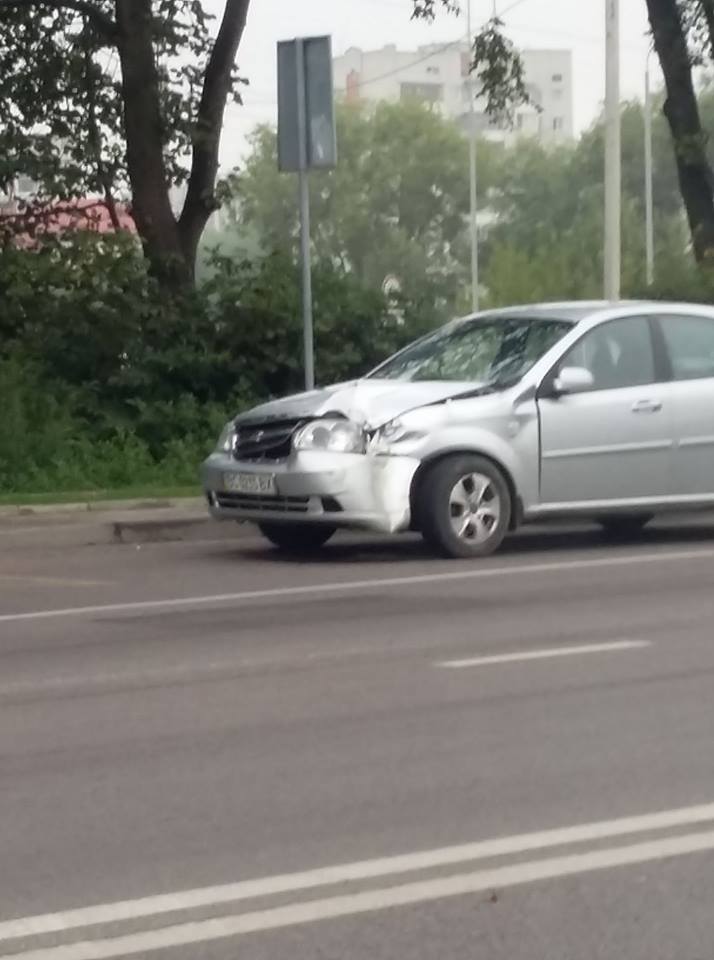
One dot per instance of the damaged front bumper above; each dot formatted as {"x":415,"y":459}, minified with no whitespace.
{"x":359,"y":491}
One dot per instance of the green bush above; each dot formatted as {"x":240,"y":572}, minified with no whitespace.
{"x":107,"y":384}
{"x":45,"y":444}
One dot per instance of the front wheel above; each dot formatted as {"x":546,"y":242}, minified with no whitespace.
{"x":296,"y":538}
{"x":465,"y":507}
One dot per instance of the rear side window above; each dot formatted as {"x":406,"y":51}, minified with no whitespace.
{"x":690,"y":343}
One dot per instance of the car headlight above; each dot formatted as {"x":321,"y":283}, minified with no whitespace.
{"x":336,"y":436}
{"x":227,"y":439}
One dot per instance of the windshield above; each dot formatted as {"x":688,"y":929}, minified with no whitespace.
{"x":493,"y":352}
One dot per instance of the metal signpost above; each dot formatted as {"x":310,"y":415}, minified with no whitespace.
{"x":306,"y":141}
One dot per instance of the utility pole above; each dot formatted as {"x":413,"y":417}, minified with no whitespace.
{"x":473,"y":173}
{"x":649,"y":178}
{"x":613,"y":160}
{"x":304,"y":194}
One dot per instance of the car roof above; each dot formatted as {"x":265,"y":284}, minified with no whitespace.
{"x":575,"y":311}
{"x":572,"y":311}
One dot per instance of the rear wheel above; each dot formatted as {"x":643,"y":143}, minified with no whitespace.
{"x":465,"y":507}
{"x":296,"y":538}
{"x":624,"y":527}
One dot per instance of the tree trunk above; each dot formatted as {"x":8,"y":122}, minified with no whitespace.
{"x":200,"y":200}
{"x":151,"y":208}
{"x":682,"y":113}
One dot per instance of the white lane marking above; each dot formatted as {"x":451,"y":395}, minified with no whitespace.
{"x":481,"y":573}
{"x":373,"y":900}
{"x":351,"y":872}
{"x":585,"y":648}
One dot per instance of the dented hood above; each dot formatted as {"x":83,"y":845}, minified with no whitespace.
{"x":369,"y":402}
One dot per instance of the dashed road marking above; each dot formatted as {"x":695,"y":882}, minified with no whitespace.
{"x":585,"y":649}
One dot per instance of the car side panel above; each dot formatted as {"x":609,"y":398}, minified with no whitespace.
{"x":509,"y":436}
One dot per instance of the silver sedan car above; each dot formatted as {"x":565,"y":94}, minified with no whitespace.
{"x":585,"y":410}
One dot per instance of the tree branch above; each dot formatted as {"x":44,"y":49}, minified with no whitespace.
{"x":200,"y":197}
{"x":101,"y":21}
{"x":426,"y":9}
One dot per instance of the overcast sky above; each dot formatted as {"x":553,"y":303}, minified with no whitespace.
{"x":575,"y":24}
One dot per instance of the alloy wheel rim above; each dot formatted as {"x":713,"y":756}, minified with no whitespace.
{"x":474,"y":508}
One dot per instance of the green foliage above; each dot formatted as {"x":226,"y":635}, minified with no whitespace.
{"x":398,"y":205}
{"x":495,"y":62}
{"x":499,"y":72}
{"x":567,"y":263}
{"x":61,"y":95}
{"x":394,"y":207}
{"x":46,"y":444}
{"x":118,"y":98}
{"x":546,"y":242}
{"x":682,"y":282}
{"x":105,"y":382}
{"x":427,"y":9}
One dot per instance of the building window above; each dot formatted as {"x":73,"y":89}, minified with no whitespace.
{"x":557,"y":78}
{"x":422,"y":92}
{"x":433,"y":70}
{"x":557,"y":124}
{"x":25,"y":185}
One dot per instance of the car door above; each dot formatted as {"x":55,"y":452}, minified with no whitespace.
{"x":689,"y":341}
{"x":613,"y":441}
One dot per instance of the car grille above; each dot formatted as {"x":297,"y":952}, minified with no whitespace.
{"x":258,"y":503}
{"x":264,"y":441}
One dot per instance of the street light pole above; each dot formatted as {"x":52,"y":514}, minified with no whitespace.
{"x":473,"y":174}
{"x":613,"y":161}
{"x":649,"y":178}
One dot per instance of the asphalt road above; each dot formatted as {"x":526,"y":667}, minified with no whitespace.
{"x":209,"y":752}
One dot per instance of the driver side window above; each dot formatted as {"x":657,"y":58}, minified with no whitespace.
{"x":617,"y":354}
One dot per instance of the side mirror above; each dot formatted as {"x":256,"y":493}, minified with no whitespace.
{"x":573,"y":380}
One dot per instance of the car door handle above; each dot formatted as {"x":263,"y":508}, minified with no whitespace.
{"x":647,"y":406}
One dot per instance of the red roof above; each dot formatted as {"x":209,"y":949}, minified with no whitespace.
{"x":61,"y":216}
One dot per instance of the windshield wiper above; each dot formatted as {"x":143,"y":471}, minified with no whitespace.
{"x":481,"y":391}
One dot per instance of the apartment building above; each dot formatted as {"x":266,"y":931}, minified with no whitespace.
{"x":439,"y":74}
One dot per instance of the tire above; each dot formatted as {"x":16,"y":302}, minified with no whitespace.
{"x":465,"y":507}
{"x":296,"y":538}
{"x":625,"y":527}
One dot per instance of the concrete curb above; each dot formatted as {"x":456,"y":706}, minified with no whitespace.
{"x":99,"y":506}
{"x":174,"y":529}
{"x":136,"y":525}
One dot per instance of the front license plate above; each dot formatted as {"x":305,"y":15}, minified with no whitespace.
{"x":260,"y":484}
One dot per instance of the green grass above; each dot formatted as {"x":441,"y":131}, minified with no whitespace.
{"x":140,"y":492}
